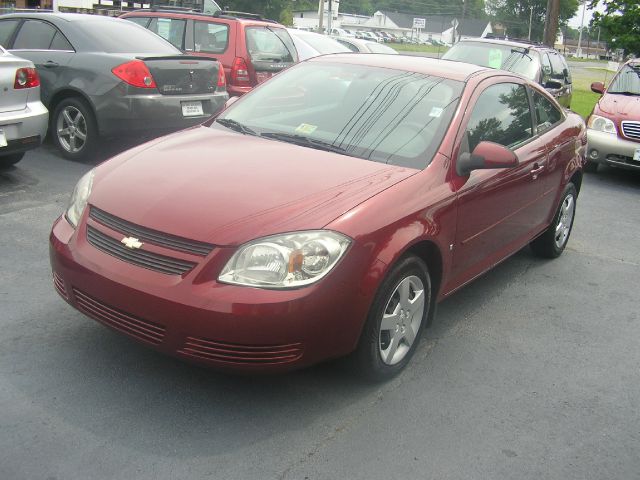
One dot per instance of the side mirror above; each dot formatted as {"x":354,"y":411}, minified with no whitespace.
{"x":230,"y":102}
{"x":485,"y":156}
{"x":553,"y":84}
{"x":597,"y":87}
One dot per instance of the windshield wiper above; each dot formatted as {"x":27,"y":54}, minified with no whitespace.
{"x":624,"y":92}
{"x":306,"y":142}
{"x":236,"y":126}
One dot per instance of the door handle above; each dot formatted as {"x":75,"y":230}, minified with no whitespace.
{"x":51,"y":64}
{"x":535,"y":171}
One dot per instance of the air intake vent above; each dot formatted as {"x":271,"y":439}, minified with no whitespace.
{"x":241,"y":354}
{"x":139,"y":257}
{"x":59,"y":284}
{"x":151,"y":236}
{"x":136,"y":327}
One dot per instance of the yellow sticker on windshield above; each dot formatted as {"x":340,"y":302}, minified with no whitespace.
{"x":306,"y":128}
{"x":495,"y":58}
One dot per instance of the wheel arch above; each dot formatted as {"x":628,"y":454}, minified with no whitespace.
{"x":576,"y":179}
{"x":69,"y":92}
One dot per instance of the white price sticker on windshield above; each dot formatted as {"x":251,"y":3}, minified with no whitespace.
{"x":436,"y":112}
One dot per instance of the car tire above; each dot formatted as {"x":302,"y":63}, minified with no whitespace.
{"x":402,"y":302}
{"x":10,"y":160}
{"x":591,"y":167}
{"x":555,"y":238}
{"x":73,"y":128}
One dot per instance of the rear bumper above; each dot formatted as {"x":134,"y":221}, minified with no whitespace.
{"x":135,"y":114}
{"x":24,"y":129}
{"x":238,"y":91}
{"x":611,"y":150}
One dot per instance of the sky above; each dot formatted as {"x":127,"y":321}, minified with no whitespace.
{"x":575,"y":21}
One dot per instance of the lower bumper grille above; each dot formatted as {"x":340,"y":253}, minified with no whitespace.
{"x":142,"y":258}
{"x":241,"y":354}
{"x":59,"y":284}
{"x":136,"y":327}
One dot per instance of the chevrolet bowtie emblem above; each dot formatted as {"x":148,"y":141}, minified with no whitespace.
{"x":131,"y":242}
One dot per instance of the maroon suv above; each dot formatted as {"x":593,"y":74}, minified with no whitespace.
{"x":251,"y":49}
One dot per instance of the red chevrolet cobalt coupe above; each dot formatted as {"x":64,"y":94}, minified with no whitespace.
{"x":323,"y":214}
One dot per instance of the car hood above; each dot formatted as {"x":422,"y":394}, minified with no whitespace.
{"x":619,"y":107}
{"x":227,"y":188}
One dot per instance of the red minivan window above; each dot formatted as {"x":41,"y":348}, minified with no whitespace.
{"x":266,"y":44}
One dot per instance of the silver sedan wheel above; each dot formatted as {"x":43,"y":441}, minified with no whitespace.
{"x":71,"y":127}
{"x":565,"y":219}
{"x":401,"y":320}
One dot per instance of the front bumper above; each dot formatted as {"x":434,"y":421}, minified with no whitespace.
{"x":24,"y":129}
{"x":136,"y":114}
{"x":611,"y":150}
{"x":193,"y":317}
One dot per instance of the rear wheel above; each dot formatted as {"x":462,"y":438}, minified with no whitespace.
{"x":553,"y":241}
{"x":396,"y":320}
{"x":10,"y":160}
{"x":73,"y":128}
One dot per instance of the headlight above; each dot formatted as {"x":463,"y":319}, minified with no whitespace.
{"x":285,"y":261}
{"x":596,"y":122}
{"x":79,"y":198}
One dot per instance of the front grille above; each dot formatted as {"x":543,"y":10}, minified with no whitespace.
{"x":631,"y":130}
{"x":241,"y":354}
{"x":148,"y":235}
{"x":121,"y":321}
{"x":59,"y":284}
{"x":141,"y":258}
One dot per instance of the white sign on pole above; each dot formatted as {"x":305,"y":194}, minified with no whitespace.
{"x":419,"y":23}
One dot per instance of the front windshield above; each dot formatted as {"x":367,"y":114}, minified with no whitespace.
{"x":380,"y":114}
{"x":627,"y":80}
{"x":494,"y":55}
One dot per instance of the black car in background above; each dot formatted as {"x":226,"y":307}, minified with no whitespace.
{"x":106,"y":77}
{"x":539,"y":63}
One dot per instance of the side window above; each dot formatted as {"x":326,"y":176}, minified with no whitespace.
{"x":547,"y":114}
{"x":171,"y":29}
{"x":502,"y":115}
{"x":565,"y":65}
{"x":142,"y":21}
{"x":210,"y":37}
{"x":546,"y":67}
{"x":556,"y":66}
{"x":34,"y":35}
{"x":6,"y":30}
{"x":350,"y":46}
{"x":59,"y":42}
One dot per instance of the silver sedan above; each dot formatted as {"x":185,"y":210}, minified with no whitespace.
{"x":364,"y":46}
{"x":23,"y":117}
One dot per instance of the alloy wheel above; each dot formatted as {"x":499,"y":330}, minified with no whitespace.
{"x":565,"y":219}
{"x":401,"y":320}
{"x":71,"y":127}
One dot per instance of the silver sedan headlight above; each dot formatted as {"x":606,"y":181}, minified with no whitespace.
{"x":79,"y":198}
{"x":602,"y":124}
{"x":285,"y":261}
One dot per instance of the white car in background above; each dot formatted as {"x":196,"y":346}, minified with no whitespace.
{"x":310,"y":44}
{"x":341,"y":32}
{"x":365,"y":46}
{"x":23,"y":117}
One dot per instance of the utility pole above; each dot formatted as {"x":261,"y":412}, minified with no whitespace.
{"x":320,"y":16}
{"x":464,"y":11}
{"x":329,"y":18}
{"x":530,"y":21}
{"x":579,"y":49}
{"x":551,"y":22}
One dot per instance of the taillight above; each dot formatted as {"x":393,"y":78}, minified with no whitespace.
{"x":222,"y":82}
{"x":135,"y":73}
{"x":26,"y":78}
{"x":240,"y":73}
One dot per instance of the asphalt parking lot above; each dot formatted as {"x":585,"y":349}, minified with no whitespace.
{"x":532,"y":372}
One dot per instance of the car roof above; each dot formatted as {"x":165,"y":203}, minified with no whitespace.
{"x":199,"y":15}
{"x":459,"y":71}
{"x":69,"y":17}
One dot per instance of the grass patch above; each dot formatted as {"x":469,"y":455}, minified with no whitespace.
{"x":582,"y":102}
{"x":408,"y":47}
{"x":584,"y":60}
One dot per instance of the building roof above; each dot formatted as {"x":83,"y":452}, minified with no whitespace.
{"x":472,"y":27}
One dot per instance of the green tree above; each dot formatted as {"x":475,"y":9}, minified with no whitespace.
{"x":621,"y":24}
{"x":515,"y":14}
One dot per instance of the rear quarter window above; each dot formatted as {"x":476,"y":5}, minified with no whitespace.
{"x":120,"y":36}
{"x":34,"y":35}
{"x":7,"y":28}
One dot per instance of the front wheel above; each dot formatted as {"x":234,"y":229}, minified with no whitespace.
{"x":396,"y":320}
{"x":73,"y":129}
{"x":553,"y":241}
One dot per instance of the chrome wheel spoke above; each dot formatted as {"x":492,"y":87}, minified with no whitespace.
{"x":409,"y":335}
{"x":565,"y":219}
{"x":64,"y":131}
{"x":391,"y":320}
{"x":81,"y":135}
{"x":67,"y":117}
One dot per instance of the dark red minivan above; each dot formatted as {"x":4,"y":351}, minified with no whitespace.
{"x":250,"y":48}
